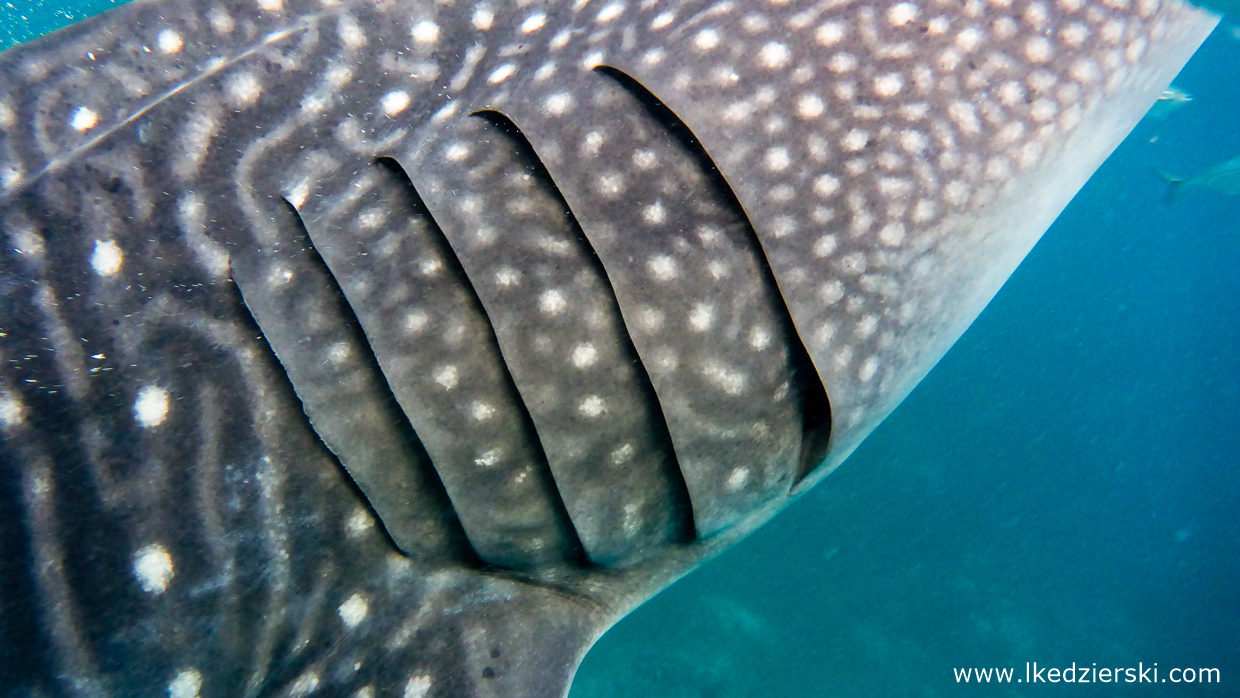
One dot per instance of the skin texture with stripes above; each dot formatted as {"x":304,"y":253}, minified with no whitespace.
{"x":397,"y":347}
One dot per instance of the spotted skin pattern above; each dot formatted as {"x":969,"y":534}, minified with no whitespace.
{"x":399,"y":348}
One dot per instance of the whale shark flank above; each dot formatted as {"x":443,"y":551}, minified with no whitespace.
{"x":399,"y":348}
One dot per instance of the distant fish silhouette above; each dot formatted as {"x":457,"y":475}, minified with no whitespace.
{"x":399,"y":348}
{"x":1223,"y":178}
{"x":1169,"y":102}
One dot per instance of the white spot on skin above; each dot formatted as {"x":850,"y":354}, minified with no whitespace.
{"x":1074,"y":34}
{"x":831,"y":292}
{"x":417,"y":687}
{"x":701,"y":317}
{"x":822,"y":337}
{"x":592,"y":407}
{"x":810,"y":106}
{"x":221,"y":22}
{"x":621,"y":455}
{"x":592,"y":142}
{"x":107,"y":258}
{"x":187,"y":684}
{"x":12,"y":411}
{"x":892,"y":234}
{"x":777,"y":159}
{"x":584,"y":355}
{"x":487,"y":458}
{"x":968,"y":39}
{"x":842,"y":63}
{"x":395,"y":102}
{"x":1038,"y":49}
{"x":726,"y":379}
{"x":425,"y":32}
{"x":645,"y":160}
{"x":483,"y":17}
{"x":868,"y":368}
{"x":965,"y":116}
{"x":759,"y":338}
{"x":888,"y":85}
{"x":338,"y":353}
{"x":610,"y":12}
{"x":1044,"y":109}
{"x":826,"y":185}
{"x":552,"y":302}
{"x":84,"y":119}
{"x":10,"y":175}
{"x":706,"y":39}
{"x":359,"y":523}
{"x":737,"y":479}
{"x":855,"y":140}
{"x":774,"y":56}
{"x":655,"y":214}
{"x":1085,"y":71}
{"x":446,"y":376}
{"x":650,"y":320}
{"x":533,"y":23}
{"x":152,"y":566}
{"x":781,"y":194}
{"x":350,"y":33}
{"x":297,"y":196}
{"x":416,"y":321}
{"x":662,"y":267}
{"x":507,"y":276}
{"x":824,"y":246}
{"x":305,"y":684}
{"x":610,"y":185}
{"x":631,"y":521}
{"x":557,"y":104}
{"x":271,"y":5}
{"x":456,"y":152}
{"x":913,"y":142}
{"x":169,"y":41}
{"x":956,"y":193}
{"x":1011,"y":93}
{"x":781,"y":226}
{"x":830,"y":33}
{"x":243,"y":89}
{"x":354,"y":610}
{"x":662,"y":21}
{"x":502,"y":73}
{"x":151,"y":407}
{"x":902,"y":14}
{"x":481,"y":411}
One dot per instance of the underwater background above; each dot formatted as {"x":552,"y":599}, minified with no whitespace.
{"x":1063,"y":487}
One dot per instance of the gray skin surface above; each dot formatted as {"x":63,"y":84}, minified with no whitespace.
{"x":400,"y":348}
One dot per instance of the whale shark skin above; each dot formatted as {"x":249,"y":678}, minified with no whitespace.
{"x":401,"y":348}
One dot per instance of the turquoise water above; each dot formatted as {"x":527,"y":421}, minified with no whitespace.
{"x":23,"y":20}
{"x":1062,"y":488}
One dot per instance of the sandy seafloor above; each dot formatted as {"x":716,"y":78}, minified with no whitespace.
{"x":1064,"y":487}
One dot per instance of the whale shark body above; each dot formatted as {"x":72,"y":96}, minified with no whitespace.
{"x":396,"y":347}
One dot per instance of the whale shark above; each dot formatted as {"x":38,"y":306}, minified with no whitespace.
{"x":397,"y":347}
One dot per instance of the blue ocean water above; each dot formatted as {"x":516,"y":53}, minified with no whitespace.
{"x":1063,"y":488}
{"x":23,"y":20}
